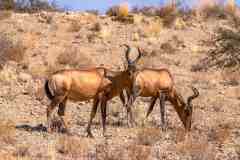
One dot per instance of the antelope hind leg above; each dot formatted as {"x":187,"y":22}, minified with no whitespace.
{"x":162,"y":110}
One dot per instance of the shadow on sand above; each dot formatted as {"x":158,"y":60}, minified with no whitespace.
{"x":26,"y":127}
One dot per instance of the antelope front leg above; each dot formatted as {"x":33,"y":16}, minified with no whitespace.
{"x":136,"y":91}
{"x":150,"y":109}
{"x":93,"y":113}
{"x":104,"y":115}
{"x":61,"y":113}
{"x":50,"y":109}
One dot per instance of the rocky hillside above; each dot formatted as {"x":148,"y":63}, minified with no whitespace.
{"x":35,"y":45}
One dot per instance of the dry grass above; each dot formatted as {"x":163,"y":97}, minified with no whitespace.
{"x":75,"y":26}
{"x":72,"y":146}
{"x":5,"y":15}
{"x":71,"y":56}
{"x":139,"y":152}
{"x":7,"y":76}
{"x":7,"y":131}
{"x":105,"y":151}
{"x":115,"y":113}
{"x":179,"y":23}
{"x":152,"y":29}
{"x":220,"y":133}
{"x":197,"y":148}
{"x":104,"y":33}
{"x":148,"y":136}
{"x":10,"y":50}
{"x":22,"y":151}
{"x":231,"y":77}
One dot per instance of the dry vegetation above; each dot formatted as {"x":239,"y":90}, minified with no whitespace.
{"x":10,"y":50}
{"x":72,"y":146}
{"x":7,"y":131}
{"x":199,"y":46}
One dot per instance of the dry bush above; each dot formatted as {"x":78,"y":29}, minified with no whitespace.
{"x":123,"y":10}
{"x":45,"y":18}
{"x":97,"y":27}
{"x":120,"y":11}
{"x":197,"y":148}
{"x":105,"y":151}
{"x":72,"y":146}
{"x":168,"y":48}
{"x":75,"y":26}
{"x":168,"y":13}
{"x":7,"y":131}
{"x":93,"y":11}
{"x":22,"y":151}
{"x":112,"y":11}
{"x":35,"y":6}
{"x":152,"y":29}
{"x":220,"y":133}
{"x":138,"y":152}
{"x":231,"y":77}
{"x":5,"y":15}
{"x":148,"y":136}
{"x":230,"y":7}
{"x":10,"y":50}
{"x":225,"y":52}
{"x":7,"y":4}
{"x":212,"y":9}
{"x":146,"y":10}
{"x":71,"y":57}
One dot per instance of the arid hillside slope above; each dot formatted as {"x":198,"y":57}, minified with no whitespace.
{"x":35,"y":45}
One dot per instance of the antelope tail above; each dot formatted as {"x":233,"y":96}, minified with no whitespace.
{"x":47,"y":91}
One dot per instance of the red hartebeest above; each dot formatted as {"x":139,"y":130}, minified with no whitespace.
{"x":99,"y":84}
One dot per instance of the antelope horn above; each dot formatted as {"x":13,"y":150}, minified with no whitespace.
{"x":139,"y":55}
{"x":195,"y":95}
{"x":127,"y":53}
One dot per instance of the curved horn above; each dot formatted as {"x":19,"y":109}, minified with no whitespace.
{"x":139,"y":55}
{"x":195,"y":95}
{"x":127,"y":53}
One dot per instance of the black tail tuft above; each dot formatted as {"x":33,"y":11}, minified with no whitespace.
{"x":47,"y":91}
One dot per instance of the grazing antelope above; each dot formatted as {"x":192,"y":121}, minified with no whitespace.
{"x":99,"y":84}
{"x":116,"y":83}
{"x":159,"y":84}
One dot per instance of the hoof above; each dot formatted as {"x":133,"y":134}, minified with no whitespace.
{"x":164,"y":128}
{"x":66,"y":131}
{"x":90,"y":135}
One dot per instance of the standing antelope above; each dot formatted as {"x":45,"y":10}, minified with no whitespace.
{"x":116,"y":83}
{"x":159,"y":84}
{"x":86,"y":84}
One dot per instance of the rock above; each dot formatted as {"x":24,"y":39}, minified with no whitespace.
{"x":24,"y":77}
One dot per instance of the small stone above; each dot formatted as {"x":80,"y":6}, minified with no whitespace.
{"x":24,"y":77}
